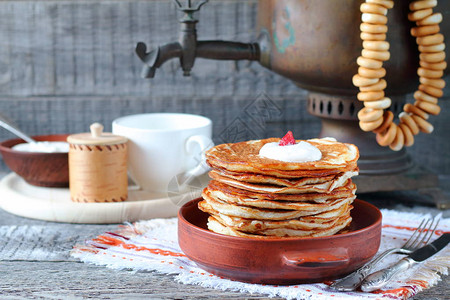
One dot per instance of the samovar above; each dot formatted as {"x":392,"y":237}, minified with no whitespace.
{"x":315,"y":43}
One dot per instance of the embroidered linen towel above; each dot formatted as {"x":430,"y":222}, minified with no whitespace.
{"x":153,"y":246}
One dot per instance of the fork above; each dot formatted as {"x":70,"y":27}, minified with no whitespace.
{"x":420,"y":236}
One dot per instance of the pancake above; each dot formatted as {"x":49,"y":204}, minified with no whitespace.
{"x":288,"y":174}
{"x":256,"y":227}
{"x":244,"y":157}
{"x":340,"y":224}
{"x":248,"y":212}
{"x":215,"y":226}
{"x":327,"y":186}
{"x":269,"y":204}
{"x":266,"y":179}
{"x":319,"y":221}
{"x":345,"y":191}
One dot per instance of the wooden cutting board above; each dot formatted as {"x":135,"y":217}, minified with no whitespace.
{"x":54,"y":204}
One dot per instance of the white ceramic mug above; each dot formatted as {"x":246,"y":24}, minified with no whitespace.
{"x":162,"y":146}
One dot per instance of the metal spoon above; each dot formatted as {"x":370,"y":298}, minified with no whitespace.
{"x":8,"y":125}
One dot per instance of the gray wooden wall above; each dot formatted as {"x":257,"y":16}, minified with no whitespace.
{"x":65,"y":64}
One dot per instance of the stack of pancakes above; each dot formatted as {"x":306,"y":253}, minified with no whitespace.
{"x":254,"y":196}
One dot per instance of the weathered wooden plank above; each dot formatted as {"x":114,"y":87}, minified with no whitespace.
{"x":43,"y":243}
{"x":102,"y":48}
{"x":5,"y":53}
{"x":21,"y":279}
{"x":122,"y":46}
{"x":64,"y":49}
{"x":84,"y":42}
{"x":41,"y":37}
{"x":22,"y":64}
{"x":80,"y":281}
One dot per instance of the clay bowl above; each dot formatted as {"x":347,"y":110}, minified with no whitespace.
{"x":41,"y":169}
{"x":280,"y":261}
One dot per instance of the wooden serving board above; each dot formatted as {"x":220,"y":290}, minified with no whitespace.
{"x":54,"y":204}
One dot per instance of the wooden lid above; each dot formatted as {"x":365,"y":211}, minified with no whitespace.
{"x":96,"y":137}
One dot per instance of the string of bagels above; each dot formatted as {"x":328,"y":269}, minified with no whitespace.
{"x":414,"y":118}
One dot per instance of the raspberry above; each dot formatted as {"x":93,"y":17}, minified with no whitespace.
{"x":288,"y":139}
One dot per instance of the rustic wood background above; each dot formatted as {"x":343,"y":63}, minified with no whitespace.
{"x":65,"y":64}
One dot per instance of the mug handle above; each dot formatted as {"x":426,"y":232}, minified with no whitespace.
{"x":205,"y":143}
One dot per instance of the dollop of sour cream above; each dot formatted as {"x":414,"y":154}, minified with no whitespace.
{"x":45,"y":147}
{"x":300,"y":152}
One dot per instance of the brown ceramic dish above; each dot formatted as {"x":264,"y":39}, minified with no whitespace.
{"x":41,"y":169}
{"x":281,"y":260}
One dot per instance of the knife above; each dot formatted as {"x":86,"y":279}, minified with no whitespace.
{"x":377,"y":280}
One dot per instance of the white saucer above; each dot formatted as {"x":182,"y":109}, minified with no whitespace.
{"x":54,"y":204}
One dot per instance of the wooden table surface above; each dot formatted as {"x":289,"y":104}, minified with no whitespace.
{"x":38,"y":265}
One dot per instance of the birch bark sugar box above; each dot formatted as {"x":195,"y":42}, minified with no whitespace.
{"x":98,"y":166}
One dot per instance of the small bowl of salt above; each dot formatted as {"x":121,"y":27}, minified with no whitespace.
{"x":44,"y":163}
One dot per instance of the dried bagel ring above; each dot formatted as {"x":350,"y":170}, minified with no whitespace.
{"x":420,"y":14}
{"x":385,"y":3}
{"x":373,"y":9}
{"x":432,"y":91}
{"x":423,"y":125}
{"x":369,"y":114}
{"x":373,"y":28}
{"x":409,"y":108}
{"x":430,"y":39}
{"x":437,"y":83}
{"x":398,"y":142}
{"x":407,"y":135}
{"x":424,"y":30}
{"x":370,"y":96}
{"x":378,"y":104}
{"x":433,"y":66}
{"x":380,"y":85}
{"x":386,"y":137}
{"x":433,"y":57}
{"x":372,"y":73}
{"x":376,"y":45}
{"x":388,"y":117}
{"x":369,"y":63}
{"x":421,"y":4}
{"x":369,"y":126}
{"x":421,"y":96}
{"x":367,"y":36}
{"x":405,"y":118}
{"x":374,"y":18}
{"x":433,"y":48}
{"x":433,"y":19}
{"x":428,"y":107}
{"x":430,"y":73}
{"x":360,"y":81}
{"x":378,"y":55}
